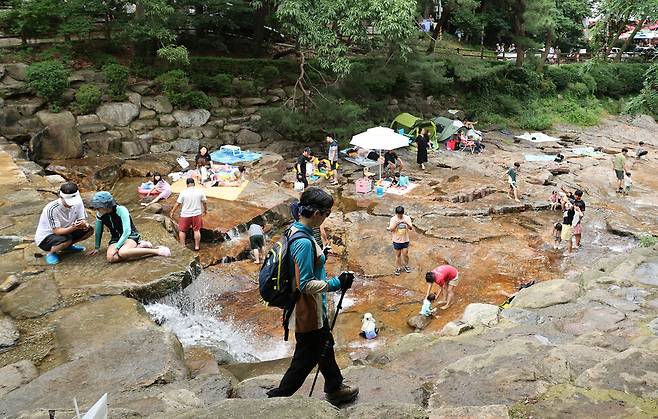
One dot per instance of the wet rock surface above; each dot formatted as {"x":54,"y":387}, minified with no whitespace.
{"x":578,"y":343}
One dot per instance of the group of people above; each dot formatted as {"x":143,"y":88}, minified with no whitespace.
{"x":63,"y":224}
{"x":209,"y":173}
{"x":328,"y":168}
{"x":571,"y":225}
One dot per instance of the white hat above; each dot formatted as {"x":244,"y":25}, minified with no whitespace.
{"x":71,"y":199}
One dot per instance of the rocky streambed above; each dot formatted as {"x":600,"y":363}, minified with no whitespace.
{"x":582,"y":343}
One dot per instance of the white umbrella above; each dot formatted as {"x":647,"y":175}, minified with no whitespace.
{"x":380,"y":138}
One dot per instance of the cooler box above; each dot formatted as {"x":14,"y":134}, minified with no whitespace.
{"x":231,"y":150}
{"x":363,"y":185}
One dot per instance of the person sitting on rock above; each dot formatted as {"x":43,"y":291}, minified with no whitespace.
{"x":62,"y":224}
{"x":392,"y":162}
{"x":125,"y":243}
{"x":447,"y":278}
{"x":161,"y":187}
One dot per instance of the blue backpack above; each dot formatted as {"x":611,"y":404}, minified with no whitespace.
{"x":276,"y":280}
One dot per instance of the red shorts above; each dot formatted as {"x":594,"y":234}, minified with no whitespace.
{"x":196,"y":222}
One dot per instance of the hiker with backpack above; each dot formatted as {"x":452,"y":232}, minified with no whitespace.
{"x":305,"y":263}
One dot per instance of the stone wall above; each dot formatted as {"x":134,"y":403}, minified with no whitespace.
{"x":145,"y":123}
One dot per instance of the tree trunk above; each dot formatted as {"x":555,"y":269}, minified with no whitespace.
{"x":259,"y":27}
{"x":519,"y":31}
{"x":437,"y":31}
{"x":547,"y":48}
{"x":637,"y":29}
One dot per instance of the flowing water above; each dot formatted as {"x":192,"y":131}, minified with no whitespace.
{"x":192,"y":316}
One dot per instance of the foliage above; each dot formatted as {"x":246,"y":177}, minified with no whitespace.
{"x":117,"y":79}
{"x":87,"y":98}
{"x":329,"y":27}
{"x":534,"y":120}
{"x":49,"y":79}
{"x":175,"y":85}
{"x":647,"y":240}
{"x":175,"y":54}
{"x":343,"y":117}
{"x":197,"y":100}
{"x":270,"y":74}
{"x":245,"y":88}
{"x":618,"y":79}
{"x":219,"y":84}
{"x":647,"y":100}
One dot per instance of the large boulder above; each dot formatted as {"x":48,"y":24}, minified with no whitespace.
{"x":8,"y":333}
{"x":17,"y":71}
{"x":159,"y":103}
{"x":135,"y":359}
{"x":282,"y":407}
{"x":193,"y":118}
{"x":15,"y":375}
{"x":60,"y":139}
{"x":118,"y":114}
{"x":481,"y":314}
{"x":246,"y":136}
{"x":632,"y":371}
{"x":185,"y":145}
{"x":546,"y":294}
{"x":32,"y":299}
{"x":385,"y":410}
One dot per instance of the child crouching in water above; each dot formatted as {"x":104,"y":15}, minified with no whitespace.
{"x":427,"y":310}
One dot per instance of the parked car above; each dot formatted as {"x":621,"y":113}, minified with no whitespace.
{"x":614,"y":51}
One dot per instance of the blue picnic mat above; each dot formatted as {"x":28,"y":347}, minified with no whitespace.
{"x":230,"y":158}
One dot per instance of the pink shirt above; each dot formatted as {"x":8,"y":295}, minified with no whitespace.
{"x":444,"y":274}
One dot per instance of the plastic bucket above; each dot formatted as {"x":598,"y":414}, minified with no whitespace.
{"x":380,"y":191}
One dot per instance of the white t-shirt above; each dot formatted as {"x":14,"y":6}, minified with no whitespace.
{"x":255,"y":230}
{"x":56,"y":215}
{"x":191,"y":200}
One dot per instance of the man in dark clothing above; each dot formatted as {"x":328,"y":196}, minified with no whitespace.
{"x":567,"y":220}
{"x":300,"y":166}
{"x":314,"y":341}
{"x":392,"y":163}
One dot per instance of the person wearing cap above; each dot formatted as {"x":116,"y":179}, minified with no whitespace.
{"x":125,"y":241}
{"x":193,"y":203}
{"x":300,"y":166}
{"x":62,"y":224}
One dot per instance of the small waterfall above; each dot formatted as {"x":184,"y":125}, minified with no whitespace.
{"x":188,"y":314}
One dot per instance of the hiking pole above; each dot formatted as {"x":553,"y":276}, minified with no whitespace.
{"x":326,"y":344}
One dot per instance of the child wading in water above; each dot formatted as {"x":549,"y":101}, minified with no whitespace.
{"x":557,"y":235}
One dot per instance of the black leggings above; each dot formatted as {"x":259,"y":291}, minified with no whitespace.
{"x":308,"y":351}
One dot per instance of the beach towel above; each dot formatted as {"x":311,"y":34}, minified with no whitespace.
{"x":537,"y":137}
{"x":587,"y":151}
{"x":401,"y":190}
{"x":539,"y":157}
{"x":227,"y":193}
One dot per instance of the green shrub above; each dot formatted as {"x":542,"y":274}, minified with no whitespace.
{"x":578,"y":90}
{"x":534,"y":120}
{"x":197,"y":100}
{"x":222,"y":84}
{"x":269,"y":74}
{"x":117,"y":79}
{"x":245,"y":88}
{"x":507,"y":105}
{"x":175,"y":86}
{"x":49,"y":79}
{"x":647,"y":240}
{"x":87,"y":98}
{"x":433,"y":78}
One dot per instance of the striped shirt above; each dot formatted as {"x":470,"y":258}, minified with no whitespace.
{"x":56,"y":215}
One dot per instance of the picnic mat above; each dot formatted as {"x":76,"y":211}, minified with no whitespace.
{"x":537,"y":137}
{"x":229,"y":158}
{"x":401,"y":190}
{"x":587,"y":151}
{"x":361,"y":161}
{"x":227,"y":193}
{"x":538,"y":157}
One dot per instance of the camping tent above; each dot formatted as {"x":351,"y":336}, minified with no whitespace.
{"x":445,"y":128}
{"x":412,"y":126}
{"x":380,"y":138}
